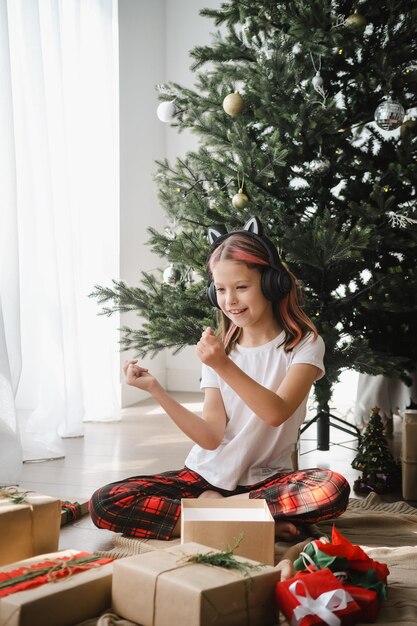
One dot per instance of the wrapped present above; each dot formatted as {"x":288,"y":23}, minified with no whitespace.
{"x":173,"y":586}
{"x":368,"y":602}
{"x":340,"y":555}
{"x":58,"y":589}
{"x":314,"y":598}
{"x":72,"y":510}
{"x":29,"y":524}
{"x":15,"y":532}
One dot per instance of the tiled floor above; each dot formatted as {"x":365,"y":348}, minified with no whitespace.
{"x":145,"y":441}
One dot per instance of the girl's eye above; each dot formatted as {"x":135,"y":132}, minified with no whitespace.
{"x":242,"y":287}
{"x":219,"y":289}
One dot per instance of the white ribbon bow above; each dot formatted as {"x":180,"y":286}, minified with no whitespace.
{"x":323,"y":606}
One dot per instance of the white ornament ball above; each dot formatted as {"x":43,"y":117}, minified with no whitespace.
{"x":296,"y":49}
{"x":389,"y":114}
{"x":320,"y":166}
{"x":171,"y":275}
{"x":317,"y":81}
{"x":166,"y":111}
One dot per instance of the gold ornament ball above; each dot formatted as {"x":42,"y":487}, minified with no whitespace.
{"x":233,"y":104}
{"x":355,"y":22}
{"x":240,"y":200}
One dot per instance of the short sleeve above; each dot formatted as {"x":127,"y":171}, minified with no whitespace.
{"x":209,"y":378}
{"x":311,"y":352}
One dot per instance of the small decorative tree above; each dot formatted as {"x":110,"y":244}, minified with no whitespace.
{"x":380,"y":472}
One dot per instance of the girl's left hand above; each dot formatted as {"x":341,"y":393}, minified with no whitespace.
{"x":210,"y":349}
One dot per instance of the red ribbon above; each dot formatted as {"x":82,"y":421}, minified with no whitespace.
{"x":47,"y":571}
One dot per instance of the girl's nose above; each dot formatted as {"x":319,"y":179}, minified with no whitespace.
{"x":231,"y":297}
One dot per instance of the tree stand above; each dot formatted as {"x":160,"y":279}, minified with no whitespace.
{"x":324,"y":420}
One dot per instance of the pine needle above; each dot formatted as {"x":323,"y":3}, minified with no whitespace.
{"x":225,"y":559}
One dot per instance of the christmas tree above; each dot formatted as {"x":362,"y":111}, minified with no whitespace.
{"x":380,"y":472}
{"x":304,"y":114}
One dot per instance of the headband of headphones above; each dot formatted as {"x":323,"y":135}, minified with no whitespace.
{"x":253,"y":229}
{"x":275,"y":279}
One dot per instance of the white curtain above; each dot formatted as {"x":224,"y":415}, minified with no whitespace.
{"x":59,"y":232}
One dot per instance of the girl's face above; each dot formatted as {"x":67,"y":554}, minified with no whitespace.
{"x":239,"y":295}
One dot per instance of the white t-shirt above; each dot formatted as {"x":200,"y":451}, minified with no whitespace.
{"x":252,"y":450}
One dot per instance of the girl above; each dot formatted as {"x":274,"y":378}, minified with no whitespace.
{"x":257,"y":371}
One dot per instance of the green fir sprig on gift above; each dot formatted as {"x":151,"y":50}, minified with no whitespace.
{"x":225,"y":559}
{"x":13,"y":494}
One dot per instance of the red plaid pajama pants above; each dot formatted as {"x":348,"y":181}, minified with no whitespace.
{"x":150,"y":506}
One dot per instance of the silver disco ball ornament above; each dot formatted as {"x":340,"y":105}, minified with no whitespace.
{"x":320,"y":166}
{"x":171,"y":275}
{"x":389,"y":114}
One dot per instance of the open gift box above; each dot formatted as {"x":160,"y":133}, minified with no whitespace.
{"x":220,"y":522}
{"x":164,"y":588}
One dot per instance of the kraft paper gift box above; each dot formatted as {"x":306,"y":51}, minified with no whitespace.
{"x":162,"y":588}
{"x":409,"y":455}
{"x":29,"y":528}
{"x":15,"y":531}
{"x":68,"y":601}
{"x":218,"y":523}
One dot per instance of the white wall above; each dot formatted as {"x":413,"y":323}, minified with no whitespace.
{"x":185,"y":29}
{"x":142,"y":50}
{"x":155,"y":39}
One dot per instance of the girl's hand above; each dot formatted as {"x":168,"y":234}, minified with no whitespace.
{"x":210,"y":349}
{"x":137,"y":376}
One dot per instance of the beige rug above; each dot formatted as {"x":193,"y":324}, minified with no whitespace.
{"x":387,"y":532}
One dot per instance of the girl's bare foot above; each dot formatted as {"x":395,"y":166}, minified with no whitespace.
{"x":287,"y":531}
{"x":210,"y":494}
{"x":286,"y":567}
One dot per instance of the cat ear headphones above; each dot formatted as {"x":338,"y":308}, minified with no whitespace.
{"x":275,"y":280}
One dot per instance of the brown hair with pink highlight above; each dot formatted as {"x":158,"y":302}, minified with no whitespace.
{"x":288,"y":310}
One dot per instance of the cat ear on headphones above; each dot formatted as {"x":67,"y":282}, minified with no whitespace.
{"x":254,"y":226}
{"x":214,"y":233}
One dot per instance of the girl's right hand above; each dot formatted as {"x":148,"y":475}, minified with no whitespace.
{"x":137,"y":376}
{"x":210,"y":350}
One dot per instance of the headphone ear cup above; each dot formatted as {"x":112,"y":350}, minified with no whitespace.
{"x":275,"y":284}
{"x":212,"y":296}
